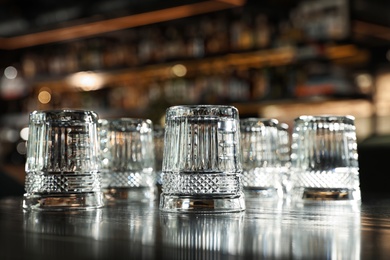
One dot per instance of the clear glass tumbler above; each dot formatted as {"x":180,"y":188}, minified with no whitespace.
{"x":202,"y":162}
{"x":62,"y":161}
{"x":127,"y":159}
{"x":324,"y":159}
{"x":158,"y":136}
{"x":284,"y":153}
{"x":261,"y":164}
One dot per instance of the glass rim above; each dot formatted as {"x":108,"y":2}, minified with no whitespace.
{"x":254,"y":121}
{"x":59,"y":111}
{"x":202,"y":110}
{"x":64,"y":115}
{"x":283,"y":126}
{"x":348,"y":119}
{"x":125,"y":120}
{"x":126,"y":124}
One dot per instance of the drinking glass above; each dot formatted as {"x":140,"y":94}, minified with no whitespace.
{"x":261,"y":164}
{"x":62,"y":161}
{"x":201,"y":162}
{"x":324,"y":159}
{"x":158,"y":137}
{"x":127,"y":159}
{"x":284,"y":153}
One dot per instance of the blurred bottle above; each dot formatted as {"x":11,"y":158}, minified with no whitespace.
{"x":263,"y":31}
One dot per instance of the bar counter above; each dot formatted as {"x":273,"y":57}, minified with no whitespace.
{"x":266,"y":230}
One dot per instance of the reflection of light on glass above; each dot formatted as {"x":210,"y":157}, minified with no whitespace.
{"x":179,"y":70}
{"x":204,"y":236}
{"x":87,"y":81}
{"x":326,"y":230}
{"x":264,"y":235}
{"x":44,"y":96}
{"x":24,"y":133}
{"x":21,"y":147}
{"x":10,"y":72}
{"x":133,"y":223}
{"x":73,"y":224}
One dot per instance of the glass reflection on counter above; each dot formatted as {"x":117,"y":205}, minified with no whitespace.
{"x":265,"y":230}
{"x":326,"y":230}
{"x":264,"y":233}
{"x":301,"y":231}
{"x":133,"y":227}
{"x":99,"y":233}
{"x":133,"y":221}
{"x":42,"y":228}
{"x":198,"y":236}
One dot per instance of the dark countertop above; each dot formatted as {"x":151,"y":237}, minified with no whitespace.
{"x":141,"y":231}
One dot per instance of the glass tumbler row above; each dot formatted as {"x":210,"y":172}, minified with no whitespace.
{"x":208,"y":160}
{"x":76,"y":161}
{"x":321,"y":164}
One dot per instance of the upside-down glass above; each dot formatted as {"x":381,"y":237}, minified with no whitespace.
{"x":324,"y":159}
{"x":284,"y":152}
{"x":127,"y":159}
{"x":260,"y":162}
{"x":158,"y":137}
{"x":62,"y":161}
{"x":202,"y":164}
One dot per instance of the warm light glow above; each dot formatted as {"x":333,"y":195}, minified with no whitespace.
{"x":87,"y":81}
{"x":44,"y":96}
{"x":10,"y":72}
{"x":24,"y":133}
{"x":179,"y":70}
{"x":364,"y":82}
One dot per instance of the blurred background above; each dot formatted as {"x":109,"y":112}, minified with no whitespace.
{"x":127,"y":58}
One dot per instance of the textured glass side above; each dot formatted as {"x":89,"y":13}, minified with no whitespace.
{"x":61,"y":155}
{"x":260,"y":145}
{"x":158,"y":137}
{"x":201,"y":155}
{"x":284,"y":152}
{"x":324,"y":154}
{"x":127,"y":153}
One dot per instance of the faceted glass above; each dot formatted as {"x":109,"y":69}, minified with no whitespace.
{"x":62,"y":161}
{"x":201,"y":162}
{"x":127,"y":159}
{"x":325,"y":158}
{"x":261,"y":163}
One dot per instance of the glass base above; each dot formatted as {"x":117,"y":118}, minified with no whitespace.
{"x":256,"y":193}
{"x":63,"y":202}
{"x":138,"y":194}
{"x":199,"y":204}
{"x":326,"y":194}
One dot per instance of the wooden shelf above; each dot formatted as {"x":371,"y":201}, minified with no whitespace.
{"x":139,"y":76}
{"x":110,"y":25}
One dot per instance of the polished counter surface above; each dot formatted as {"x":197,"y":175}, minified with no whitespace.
{"x":141,"y":231}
